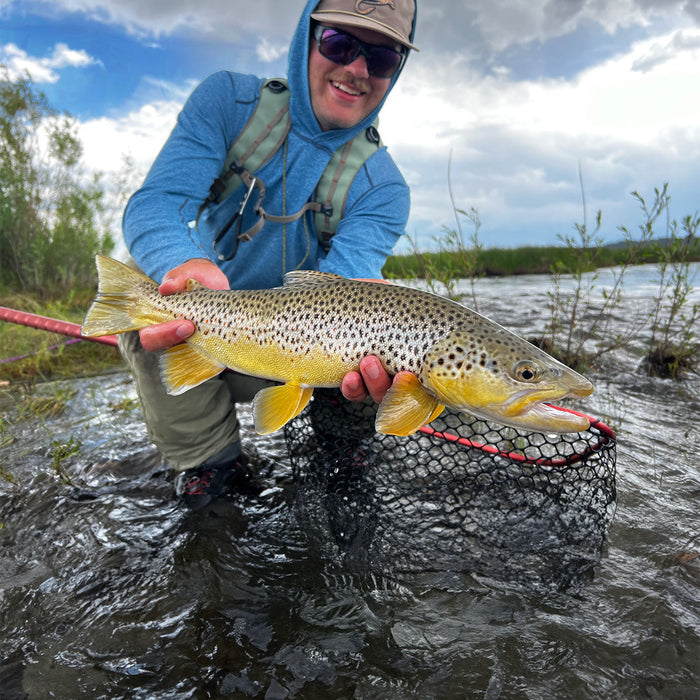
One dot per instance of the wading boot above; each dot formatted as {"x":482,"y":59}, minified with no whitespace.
{"x":200,"y":486}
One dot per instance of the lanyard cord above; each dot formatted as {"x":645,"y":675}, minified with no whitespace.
{"x":308,"y":244}
{"x":284,"y":209}
{"x":284,"y":215}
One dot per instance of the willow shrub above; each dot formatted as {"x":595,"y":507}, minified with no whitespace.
{"x":51,"y":223}
{"x":580,"y":329}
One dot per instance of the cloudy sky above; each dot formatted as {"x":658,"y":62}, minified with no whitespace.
{"x":523,"y":94}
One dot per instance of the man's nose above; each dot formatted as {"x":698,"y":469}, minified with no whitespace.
{"x":359,"y":67}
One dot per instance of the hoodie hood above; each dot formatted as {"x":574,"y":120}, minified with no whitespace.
{"x":301,"y":111}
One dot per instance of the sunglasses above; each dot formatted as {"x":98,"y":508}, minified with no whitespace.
{"x":343,"y":48}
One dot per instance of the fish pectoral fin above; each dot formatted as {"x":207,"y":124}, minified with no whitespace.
{"x":276,"y":405}
{"x":439,"y":408}
{"x":407,"y":407}
{"x":182,"y":367}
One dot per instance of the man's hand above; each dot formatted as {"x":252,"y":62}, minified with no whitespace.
{"x":165,"y":335}
{"x":372,"y":379}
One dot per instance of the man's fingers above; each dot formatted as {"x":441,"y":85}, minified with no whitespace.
{"x":375,"y":377}
{"x":165,"y":335}
{"x":200,"y":269}
{"x":353,"y":387}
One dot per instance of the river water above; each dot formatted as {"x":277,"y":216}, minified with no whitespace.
{"x":109,"y":588}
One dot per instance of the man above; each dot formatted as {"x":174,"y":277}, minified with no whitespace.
{"x":345,"y":57}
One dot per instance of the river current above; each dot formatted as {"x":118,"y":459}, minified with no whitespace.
{"x":109,"y":588}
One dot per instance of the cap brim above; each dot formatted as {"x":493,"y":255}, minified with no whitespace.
{"x":352,"y":20}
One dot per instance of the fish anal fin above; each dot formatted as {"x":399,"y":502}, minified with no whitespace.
{"x":276,"y":405}
{"x":439,"y":408}
{"x":183,"y":367}
{"x":407,"y":407}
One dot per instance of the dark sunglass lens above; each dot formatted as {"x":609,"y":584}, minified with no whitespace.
{"x":383,"y":62}
{"x":343,"y":48}
{"x":339,"y":48}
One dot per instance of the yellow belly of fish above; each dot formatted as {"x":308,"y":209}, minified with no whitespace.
{"x":268,"y":359}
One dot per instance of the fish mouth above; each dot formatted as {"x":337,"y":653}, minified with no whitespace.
{"x":582,"y":388}
{"x":543,"y":416}
{"x":539,"y":417}
{"x":528,"y":399}
{"x":532,"y":410}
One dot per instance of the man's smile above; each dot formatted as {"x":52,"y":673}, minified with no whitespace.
{"x":348,"y":89}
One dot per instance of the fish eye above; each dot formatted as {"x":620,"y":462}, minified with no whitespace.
{"x":526,"y":371}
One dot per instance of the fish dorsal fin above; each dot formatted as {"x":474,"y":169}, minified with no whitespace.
{"x":310,"y":278}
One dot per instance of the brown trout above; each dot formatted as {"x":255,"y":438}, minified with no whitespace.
{"x":318,"y":326}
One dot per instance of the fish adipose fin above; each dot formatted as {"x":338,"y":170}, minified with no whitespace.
{"x":275,"y":406}
{"x":182,"y":367}
{"x":407,"y":407}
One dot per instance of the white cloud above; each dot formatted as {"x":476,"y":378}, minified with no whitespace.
{"x":43,"y":70}
{"x":222,"y":19}
{"x":496,"y":24}
{"x":667,"y":48}
{"x":122,"y":150}
{"x":137,"y":135}
{"x":517,"y":144}
{"x":268,"y":52}
{"x":612,"y":99}
{"x":481,"y":28}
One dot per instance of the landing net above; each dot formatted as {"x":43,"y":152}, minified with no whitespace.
{"x":461,"y":495}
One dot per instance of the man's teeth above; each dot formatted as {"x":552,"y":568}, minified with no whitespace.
{"x":345,"y":88}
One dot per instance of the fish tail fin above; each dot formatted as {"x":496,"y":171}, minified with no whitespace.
{"x":117,"y":307}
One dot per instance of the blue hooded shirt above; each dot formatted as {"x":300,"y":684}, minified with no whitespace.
{"x":158,"y":220}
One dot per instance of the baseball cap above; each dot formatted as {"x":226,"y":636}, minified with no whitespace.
{"x":393,"y":18}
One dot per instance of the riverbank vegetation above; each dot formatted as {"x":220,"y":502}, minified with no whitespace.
{"x":28,"y":355}
{"x":579,"y":329}
{"x":527,"y":260}
{"x":53,"y":221}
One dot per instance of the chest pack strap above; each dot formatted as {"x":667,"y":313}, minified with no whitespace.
{"x":261,"y":137}
{"x":333,"y":187}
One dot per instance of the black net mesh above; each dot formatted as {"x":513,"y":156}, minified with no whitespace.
{"x":465,"y":495}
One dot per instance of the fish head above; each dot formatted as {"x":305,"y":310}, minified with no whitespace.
{"x":485,"y":370}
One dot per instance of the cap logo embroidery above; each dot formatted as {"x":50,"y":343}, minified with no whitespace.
{"x":367,"y":7}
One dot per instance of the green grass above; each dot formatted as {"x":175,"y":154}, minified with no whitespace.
{"x":41,"y":361}
{"x":514,"y":261}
